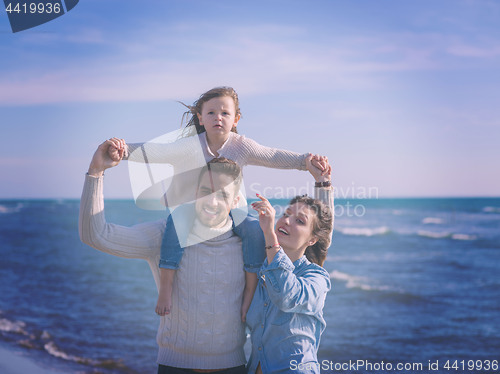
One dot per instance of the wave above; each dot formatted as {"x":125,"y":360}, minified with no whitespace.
{"x":16,"y":327}
{"x":5,"y":209}
{"x":463,"y":237}
{"x":357,"y":282}
{"x":491,"y":209}
{"x":363,"y":231}
{"x":433,"y":220}
{"x":446,"y":235}
{"x":30,"y":338}
{"x":434,"y":235}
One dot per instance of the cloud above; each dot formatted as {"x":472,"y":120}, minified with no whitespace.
{"x":464,"y":50}
{"x":165,"y":62}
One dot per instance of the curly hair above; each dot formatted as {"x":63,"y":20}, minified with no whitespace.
{"x":322,"y":228}
{"x":195,"y":109}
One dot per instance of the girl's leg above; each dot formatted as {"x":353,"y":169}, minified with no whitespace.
{"x":164,"y":303}
{"x":171,"y":253}
{"x":253,"y":243}
{"x":250,"y":286}
{"x":254,"y":252}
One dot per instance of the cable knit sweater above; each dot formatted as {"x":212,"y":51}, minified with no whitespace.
{"x":240,"y":149}
{"x":204,"y":330}
{"x":187,"y":156}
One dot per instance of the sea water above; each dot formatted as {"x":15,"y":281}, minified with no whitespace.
{"x":415,"y":282}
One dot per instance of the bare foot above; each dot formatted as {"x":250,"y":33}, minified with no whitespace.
{"x":164,"y":303}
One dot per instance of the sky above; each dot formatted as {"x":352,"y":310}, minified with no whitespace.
{"x":402,"y":96}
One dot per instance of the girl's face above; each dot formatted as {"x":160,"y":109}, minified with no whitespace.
{"x":218,"y":116}
{"x":295,"y":228}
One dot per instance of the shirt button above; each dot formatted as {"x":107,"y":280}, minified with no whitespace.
{"x":262,"y":326}
{"x":260,"y":348}
{"x":265,"y":304}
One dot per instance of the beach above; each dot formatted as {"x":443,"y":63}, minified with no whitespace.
{"x":15,"y":361}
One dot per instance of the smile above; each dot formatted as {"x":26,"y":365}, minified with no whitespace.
{"x":283,"y":231}
{"x":212,"y":212}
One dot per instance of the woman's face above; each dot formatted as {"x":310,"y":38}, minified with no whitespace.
{"x":295,"y":228}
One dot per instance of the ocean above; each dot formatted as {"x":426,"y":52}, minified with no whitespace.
{"x":416,"y":288}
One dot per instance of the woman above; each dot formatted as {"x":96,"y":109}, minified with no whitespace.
{"x":286,"y":314}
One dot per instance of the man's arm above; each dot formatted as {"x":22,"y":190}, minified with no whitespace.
{"x":140,"y":241}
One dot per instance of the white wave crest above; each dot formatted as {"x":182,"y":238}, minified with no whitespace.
{"x":356,"y":282}
{"x":446,"y":235}
{"x":491,"y":209}
{"x":463,"y":237}
{"x":52,"y":349}
{"x":10,"y":209}
{"x":13,"y":326}
{"x":433,"y":220}
{"x":434,"y":235}
{"x":364,"y":231}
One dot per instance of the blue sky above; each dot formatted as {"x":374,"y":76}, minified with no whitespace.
{"x":401,"y":96}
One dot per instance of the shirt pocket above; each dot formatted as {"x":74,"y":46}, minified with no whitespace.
{"x":282,"y":318}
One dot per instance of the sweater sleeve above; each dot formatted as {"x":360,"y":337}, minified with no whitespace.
{"x":163,"y":153}
{"x":255,"y":154}
{"x":296,"y":293}
{"x":139,"y":241}
{"x":326,"y":196}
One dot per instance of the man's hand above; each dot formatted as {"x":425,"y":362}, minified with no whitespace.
{"x":102,"y":159}
{"x":321,"y":162}
{"x":319,"y":168}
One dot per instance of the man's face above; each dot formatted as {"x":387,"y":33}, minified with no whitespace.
{"x":215,"y":198}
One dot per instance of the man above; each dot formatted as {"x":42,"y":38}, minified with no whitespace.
{"x":203,"y":333}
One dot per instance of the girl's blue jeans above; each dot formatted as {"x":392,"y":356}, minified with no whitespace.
{"x":252,"y":238}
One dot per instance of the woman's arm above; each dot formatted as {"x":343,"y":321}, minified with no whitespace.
{"x":323,"y":193}
{"x":304,"y":292}
{"x":140,"y":241}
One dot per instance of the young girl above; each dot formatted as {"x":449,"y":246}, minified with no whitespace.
{"x":215,"y":116}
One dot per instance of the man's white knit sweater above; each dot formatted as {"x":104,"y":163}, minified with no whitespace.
{"x":204,"y":329}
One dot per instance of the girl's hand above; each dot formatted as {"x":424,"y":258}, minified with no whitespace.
{"x":319,"y":175}
{"x":266,"y":214}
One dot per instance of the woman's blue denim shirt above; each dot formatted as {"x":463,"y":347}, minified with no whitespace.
{"x":286,"y":316}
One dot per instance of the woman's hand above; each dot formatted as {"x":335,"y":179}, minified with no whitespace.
{"x":105,"y":157}
{"x":266,"y":214}
{"x":319,"y":168}
{"x":266,"y":220}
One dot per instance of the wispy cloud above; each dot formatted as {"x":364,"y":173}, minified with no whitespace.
{"x":266,"y":58}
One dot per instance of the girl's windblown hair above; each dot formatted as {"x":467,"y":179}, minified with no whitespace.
{"x":191,"y":116}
